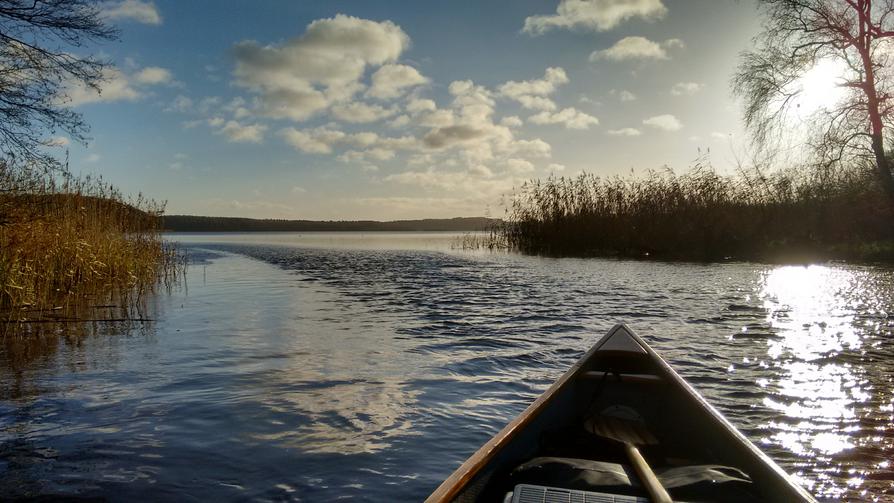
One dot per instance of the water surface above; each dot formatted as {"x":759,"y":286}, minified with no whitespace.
{"x":319,"y":366}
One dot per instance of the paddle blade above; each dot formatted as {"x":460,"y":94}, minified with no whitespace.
{"x":621,"y":430}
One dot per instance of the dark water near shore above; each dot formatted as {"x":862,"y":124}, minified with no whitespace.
{"x":317,"y":367}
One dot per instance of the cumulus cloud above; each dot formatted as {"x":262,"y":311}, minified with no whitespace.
{"x":358,"y":112}
{"x":532,"y":94}
{"x":399,"y":121}
{"x":636,"y":48}
{"x":570,"y":117}
{"x":153,"y":75}
{"x":116,"y":86}
{"x":323,"y":140}
{"x":595,"y":15}
{"x":317,"y":141}
{"x":686,"y":88}
{"x":417,"y":105}
{"x":131,"y":10}
{"x":392,"y":80}
{"x":627,"y":131}
{"x":666,"y":122}
{"x":451,"y":135}
{"x":531,"y":148}
{"x":623,"y":95}
{"x":180,"y":104}
{"x":511,"y":121}
{"x":306,"y":75}
{"x":58,"y":141}
{"x":519,"y":166}
{"x":243,"y":133}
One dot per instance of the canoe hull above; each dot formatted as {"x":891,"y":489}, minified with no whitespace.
{"x":668,"y":401}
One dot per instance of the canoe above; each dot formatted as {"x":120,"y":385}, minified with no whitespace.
{"x":556,"y":450}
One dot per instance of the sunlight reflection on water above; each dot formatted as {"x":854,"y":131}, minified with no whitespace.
{"x":812,"y":309}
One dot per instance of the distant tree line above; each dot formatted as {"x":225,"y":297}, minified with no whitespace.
{"x":189,"y":223}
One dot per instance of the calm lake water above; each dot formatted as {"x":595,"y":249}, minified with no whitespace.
{"x":369,"y":366}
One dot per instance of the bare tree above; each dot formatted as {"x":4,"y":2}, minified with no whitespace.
{"x":38,"y":63}
{"x":799,"y":34}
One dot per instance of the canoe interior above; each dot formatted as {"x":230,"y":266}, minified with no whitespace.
{"x":620,"y":373}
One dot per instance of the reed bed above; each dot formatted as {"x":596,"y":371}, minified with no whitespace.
{"x":67,"y":243}
{"x":789,"y":215}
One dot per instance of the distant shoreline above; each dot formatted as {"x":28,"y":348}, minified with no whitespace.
{"x":192,"y":223}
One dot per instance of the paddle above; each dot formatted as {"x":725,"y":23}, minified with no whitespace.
{"x":631,"y":434}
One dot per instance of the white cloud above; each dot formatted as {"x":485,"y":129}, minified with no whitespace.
{"x":399,"y":121}
{"x":596,"y":15}
{"x":323,"y":140}
{"x":717,"y":135}
{"x":392,"y":80}
{"x":243,"y":133}
{"x":306,"y":75}
{"x":511,"y":121}
{"x":627,"y":131}
{"x":570,"y":117}
{"x":673,"y":43}
{"x":556,"y":167}
{"x":532,"y":94}
{"x":531,"y":148}
{"x":180,"y":104}
{"x":358,"y":112}
{"x":117,"y":86}
{"x":623,"y":95}
{"x":318,"y":141}
{"x":417,"y":105}
{"x":58,"y":141}
{"x":131,"y":10}
{"x":665,"y":122}
{"x":452,"y":135}
{"x":153,"y":75}
{"x":519,"y":166}
{"x":632,"y":48}
{"x":91,"y":158}
{"x":298,"y":190}
{"x":686,"y":88}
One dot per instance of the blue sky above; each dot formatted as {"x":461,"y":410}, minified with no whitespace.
{"x":390,"y":110}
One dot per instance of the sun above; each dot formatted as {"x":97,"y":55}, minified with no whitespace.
{"x":818,"y":88}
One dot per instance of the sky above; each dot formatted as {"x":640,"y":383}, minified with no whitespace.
{"x":332,"y":110}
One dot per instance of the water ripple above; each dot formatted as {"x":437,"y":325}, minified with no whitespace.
{"x":314,"y":373}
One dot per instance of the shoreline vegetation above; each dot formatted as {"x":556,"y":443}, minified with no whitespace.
{"x":791,"y":216}
{"x":75,"y":249}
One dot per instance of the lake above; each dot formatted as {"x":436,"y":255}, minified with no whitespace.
{"x":320,"y":366}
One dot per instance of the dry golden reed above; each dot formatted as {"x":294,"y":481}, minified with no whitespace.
{"x":68,"y":241}
{"x":789,"y":215}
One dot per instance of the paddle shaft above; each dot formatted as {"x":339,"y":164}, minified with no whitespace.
{"x":646,"y":475}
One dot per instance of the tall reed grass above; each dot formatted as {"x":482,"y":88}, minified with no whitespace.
{"x":67,"y":242}
{"x":794,"y":214}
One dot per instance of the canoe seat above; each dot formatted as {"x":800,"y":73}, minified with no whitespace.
{"x":688,"y":483}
